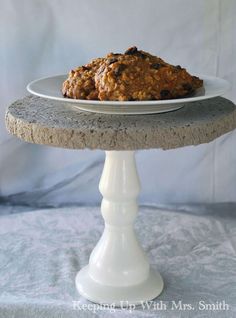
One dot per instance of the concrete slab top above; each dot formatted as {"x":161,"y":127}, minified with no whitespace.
{"x":42,"y":121}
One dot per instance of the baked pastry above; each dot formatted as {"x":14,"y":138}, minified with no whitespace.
{"x":80,"y":82}
{"x":134,"y":75}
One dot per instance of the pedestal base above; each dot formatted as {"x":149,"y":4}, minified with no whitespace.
{"x":118,"y":296}
{"x":119,"y":272}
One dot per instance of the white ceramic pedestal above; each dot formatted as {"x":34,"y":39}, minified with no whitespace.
{"x":118,"y":271}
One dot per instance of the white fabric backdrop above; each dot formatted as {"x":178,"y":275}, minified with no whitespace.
{"x":45,"y":37}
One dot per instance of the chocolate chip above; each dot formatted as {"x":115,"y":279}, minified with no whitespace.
{"x":120,"y":68}
{"x":85,"y":68}
{"x":178,"y":67}
{"x":188,"y":87}
{"x":165,"y":93}
{"x":156,"y":66}
{"x":132,"y":50}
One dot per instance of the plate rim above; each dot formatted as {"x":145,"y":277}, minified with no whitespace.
{"x":220,"y":92}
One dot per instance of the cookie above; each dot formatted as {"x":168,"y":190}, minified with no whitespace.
{"x":137,"y":75}
{"x":134,"y":75}
{"x":80,"y":82}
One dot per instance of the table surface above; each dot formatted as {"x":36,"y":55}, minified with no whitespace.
{"x":53,"y":123}
{"x":193,"y":247}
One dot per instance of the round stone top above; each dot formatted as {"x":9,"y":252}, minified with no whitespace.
{"x":52,"y":123}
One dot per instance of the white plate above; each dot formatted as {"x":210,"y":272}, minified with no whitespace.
{"x":50,"y":87}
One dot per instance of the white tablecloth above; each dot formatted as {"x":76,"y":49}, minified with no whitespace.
{"x":193,"y":247}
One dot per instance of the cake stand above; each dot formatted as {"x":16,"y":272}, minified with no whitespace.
{"x":118,"y":268}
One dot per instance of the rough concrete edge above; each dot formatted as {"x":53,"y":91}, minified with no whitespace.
{"x":77,"y":139}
